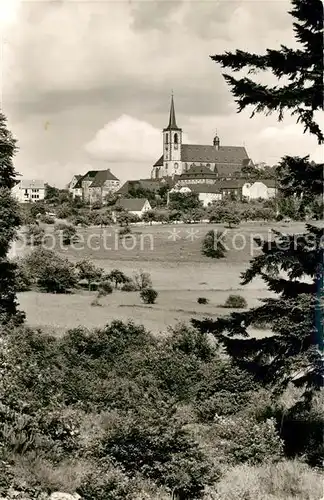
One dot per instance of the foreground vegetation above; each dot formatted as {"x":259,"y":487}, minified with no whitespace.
{"x":117,"y":413}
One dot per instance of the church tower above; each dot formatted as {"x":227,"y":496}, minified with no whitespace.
{"x":172,"y":141}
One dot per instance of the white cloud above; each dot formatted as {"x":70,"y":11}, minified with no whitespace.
{"x":127,"y":139}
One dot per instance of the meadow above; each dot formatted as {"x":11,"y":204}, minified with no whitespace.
{"x":180,"y":274}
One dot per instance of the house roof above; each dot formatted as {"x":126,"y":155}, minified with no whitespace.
{"x":131,"y":204}
{"x":31,"y":184}
{"x":90,"y":175}
{"x":270,"y":183}
{"x":197,"y":171}
{"x":202,"y":188}
{"x":231,"y":184}
{"x":151,"y":184}
{"x":101,"y":177}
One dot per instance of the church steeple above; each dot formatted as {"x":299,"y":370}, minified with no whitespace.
{"x":172,"y":119}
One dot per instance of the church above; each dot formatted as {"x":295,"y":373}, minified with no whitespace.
{"x":196,"y":163}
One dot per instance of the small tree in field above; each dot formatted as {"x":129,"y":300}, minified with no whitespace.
{"x":235,"y":302}
{"x":117,"y":277}
{"x":231,"y":219}
{"x":148,"y":295}
{"x":142,"y":280}
{"x":213,"y":244}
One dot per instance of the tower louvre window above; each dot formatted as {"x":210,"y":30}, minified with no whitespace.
{"x":175,"y":138}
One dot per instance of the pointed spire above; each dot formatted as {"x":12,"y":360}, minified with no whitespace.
{"x":172,"y":120}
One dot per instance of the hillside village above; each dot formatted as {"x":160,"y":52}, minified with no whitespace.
{"x":212,"y":171}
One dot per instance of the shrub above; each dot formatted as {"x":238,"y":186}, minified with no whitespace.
{"x":50,"y":272}
{"x":124,"y":231}
{"x":235,"y":302}
{"x":23,"y":278}
{"x":68,"y":232}
{"x":240,"y":439}
{"x":105,"y":288}
{"x":35,"y":235}
{"x":213,"y":244}
{"x":129,"y":286}
{"x":161,"y":450}
{"x":285,"y":480}
{"x":47,"y":219}
{"x":202,"y":300}
{"x":148,"y":295}
{"x":88,"y":271}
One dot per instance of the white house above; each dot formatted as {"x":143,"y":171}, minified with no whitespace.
{"x":135,"y":206}
{"x":264,"y":189}
{"x":207,"y":193}
{"x":29,"y":191}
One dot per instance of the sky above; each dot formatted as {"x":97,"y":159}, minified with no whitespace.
{"x":87,"y":84}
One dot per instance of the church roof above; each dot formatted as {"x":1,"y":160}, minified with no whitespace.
{"x":203,"y":188}
{"x":226,"y":157}
{"x":101,"y":177}
{"x":172,"y":119}
{"x":209,"y":154}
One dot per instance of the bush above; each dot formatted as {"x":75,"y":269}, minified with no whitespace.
{"x":235,"y":302}
{"x":129,"y":286}
{"x":47,"y":219}
{"x":68,"y":232}
{"x":213,"y":244}
{"x":240,"y":439}
{"x":35,"y":235}
{"x":124,"y":231}
{"x":23,"y":279}
{"x":286,"y":480}
{"x":105,"y":288}
{"x":148,"y":295}
{"x":202,"y":300}
{"x":161,"y":450}
{"x":50,"y":272}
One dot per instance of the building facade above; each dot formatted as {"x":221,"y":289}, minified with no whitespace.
{"x":29,"y":191}
{"x":178,"y":159}
{"x":94,"y":186}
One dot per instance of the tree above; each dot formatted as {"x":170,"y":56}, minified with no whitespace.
{"x":213,"y":244}
{"x":149,"y":216}
{"x":10,"y":221}
{"x":50,"y":272}
{"x":302,"y":68}
{"x":294,"y":352}
{"x":117,"y":277}
{"x":142,"y":280}
{"x":231,"y":218}
{"x":183,"y":201}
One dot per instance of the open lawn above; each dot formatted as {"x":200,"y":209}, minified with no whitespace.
{"x":178,"y":270}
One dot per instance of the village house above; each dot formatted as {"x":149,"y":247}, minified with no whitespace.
{"x":95,"y":185}
{"x":29,"y":191}
{"x":178,"y":158}
{"x":207,"y":193}
{"x":261,"y":189}
{"x":134,"y":206}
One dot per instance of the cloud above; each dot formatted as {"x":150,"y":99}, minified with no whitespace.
{"x":127,"y":139}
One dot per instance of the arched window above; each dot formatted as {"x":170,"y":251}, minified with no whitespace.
{"x":175,"y":138}
{"x":176,"y":166}
{"x":166,"y":138}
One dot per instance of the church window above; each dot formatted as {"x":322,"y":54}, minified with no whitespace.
{"x":166,"y":138}
{"x":175,"y":138}
{"x":176,"y":166}
{"x":166,"y":167}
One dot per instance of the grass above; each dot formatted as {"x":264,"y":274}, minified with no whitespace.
{"x":179,"y":272}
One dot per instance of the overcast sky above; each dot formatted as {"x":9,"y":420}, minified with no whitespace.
{"x":87,"y":84}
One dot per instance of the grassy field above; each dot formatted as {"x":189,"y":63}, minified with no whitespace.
{"x":172,"y":255}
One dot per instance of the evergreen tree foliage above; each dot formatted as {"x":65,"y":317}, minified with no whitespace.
{"x":302,"y":68}
{"x":9,"y":222}
{"x":291,"y":265}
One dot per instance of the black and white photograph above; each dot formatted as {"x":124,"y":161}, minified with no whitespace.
{"x":161,"y":250}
